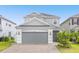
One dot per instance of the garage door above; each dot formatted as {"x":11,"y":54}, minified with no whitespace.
{"x":34,"y":37}
{"x":55,"y":36}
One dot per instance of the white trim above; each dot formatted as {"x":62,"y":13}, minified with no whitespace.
{"x":38,"y":20}
{"x":19,"y":37}
{"x":50,"y":36}
{"x":35,"y":31}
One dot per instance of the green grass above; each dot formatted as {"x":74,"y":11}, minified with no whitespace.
{"x":73,"y":49}
{"x":4,"y":45}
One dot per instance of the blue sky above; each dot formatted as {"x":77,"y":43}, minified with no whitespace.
{"x":17,"y":12}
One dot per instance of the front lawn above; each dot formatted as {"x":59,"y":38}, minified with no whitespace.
{"x":73,"y":49}
{"x":4,"y":45}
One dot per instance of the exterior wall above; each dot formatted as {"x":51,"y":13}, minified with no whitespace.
{"x":34,"y":21}
{"x":6,"y":28}
{"x":66,"y":25}
{"x":72,"y":26}
{"x":49,"y":21}
{"x":39,"y":28}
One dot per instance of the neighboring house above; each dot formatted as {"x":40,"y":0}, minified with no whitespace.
{"x":38,"y":28}
{"x":71,"y":24}
{"x":7,"y":27}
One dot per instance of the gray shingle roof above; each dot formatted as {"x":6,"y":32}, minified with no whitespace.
{"x":41,"y":15}
{"x":77,"y":15}
{"x":6,"y":19}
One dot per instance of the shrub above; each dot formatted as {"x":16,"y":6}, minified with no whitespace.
{"x":64,"y":39}
{"x":12,"y":40}
{"x":1,"y":39}
{"x":6,"y":39}
{"x":77,"y":40}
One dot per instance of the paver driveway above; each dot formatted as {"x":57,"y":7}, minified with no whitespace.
{"x":25,"y":48}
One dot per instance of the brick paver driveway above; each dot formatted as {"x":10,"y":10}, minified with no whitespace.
{"x":25,"y":48}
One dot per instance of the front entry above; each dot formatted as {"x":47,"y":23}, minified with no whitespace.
{"x":55,"y":35}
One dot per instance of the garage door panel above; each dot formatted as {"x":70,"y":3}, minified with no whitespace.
{"x":34,"y":37}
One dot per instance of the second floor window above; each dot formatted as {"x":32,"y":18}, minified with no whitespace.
{"x":9,"y":25}
{"x":55,"y":22}
{"x":69,"y":23}
{"x":18,"y":33}
{"x":0,"y":20}
{"x":6,"y":24}
{"x":77,"y":21}
{"x":72,"y":21}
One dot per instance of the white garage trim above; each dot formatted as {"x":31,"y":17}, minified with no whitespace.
{"x":35,"y":31}
{"x":19,"y":36}
{"x":50,"y":36}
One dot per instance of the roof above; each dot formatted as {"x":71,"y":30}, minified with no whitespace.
{"x":6,"y":19}
{"x":77,"y":15}
{"x":41,"y":15}
{"x":64,"y":21}
{"x":33,"y":26}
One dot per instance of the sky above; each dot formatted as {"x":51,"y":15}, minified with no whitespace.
{"x":16,"y":13}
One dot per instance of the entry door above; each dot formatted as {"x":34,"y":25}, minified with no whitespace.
{"x":55,"y":36}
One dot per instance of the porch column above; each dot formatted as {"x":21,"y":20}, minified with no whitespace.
{"x":50,"y":36}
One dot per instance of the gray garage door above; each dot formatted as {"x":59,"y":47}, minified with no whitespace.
{"x":34,"y":37}
{"x":55,"y":35}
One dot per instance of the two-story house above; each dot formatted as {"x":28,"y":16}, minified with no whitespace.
{"x":7,"y":27}
{"x":38,"y":28}
{"x":71,"y":24}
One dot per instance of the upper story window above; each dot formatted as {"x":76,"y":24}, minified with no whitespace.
{"x":69,"y":23}
{"x":6,"y":24}
{"x":77,"y":21}
{"x":0,"y":20}
{"x":55,"y":22}
{"x":72,"y":21}
{"x":9,"y":25}
{"x":18,"y":33}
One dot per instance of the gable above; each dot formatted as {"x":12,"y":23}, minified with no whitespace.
{"x":36,"y":21}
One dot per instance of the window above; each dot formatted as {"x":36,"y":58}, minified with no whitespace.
{"x":6,"y":24}
{"x":9,"y":25}
{"x":77,"y":21}
{"x":0,"y":20}
{"x":55,"y":22}
{"x":18,"y":33}
{"x":10,"y":34}
{"x":69,"y":23}
{"x":72,"y":21}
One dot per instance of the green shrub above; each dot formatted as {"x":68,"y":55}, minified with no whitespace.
{"x":64,"y":39}
{"x":6,"y":39}
{"x":77,"y":40}
{"x":12,"y":40}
